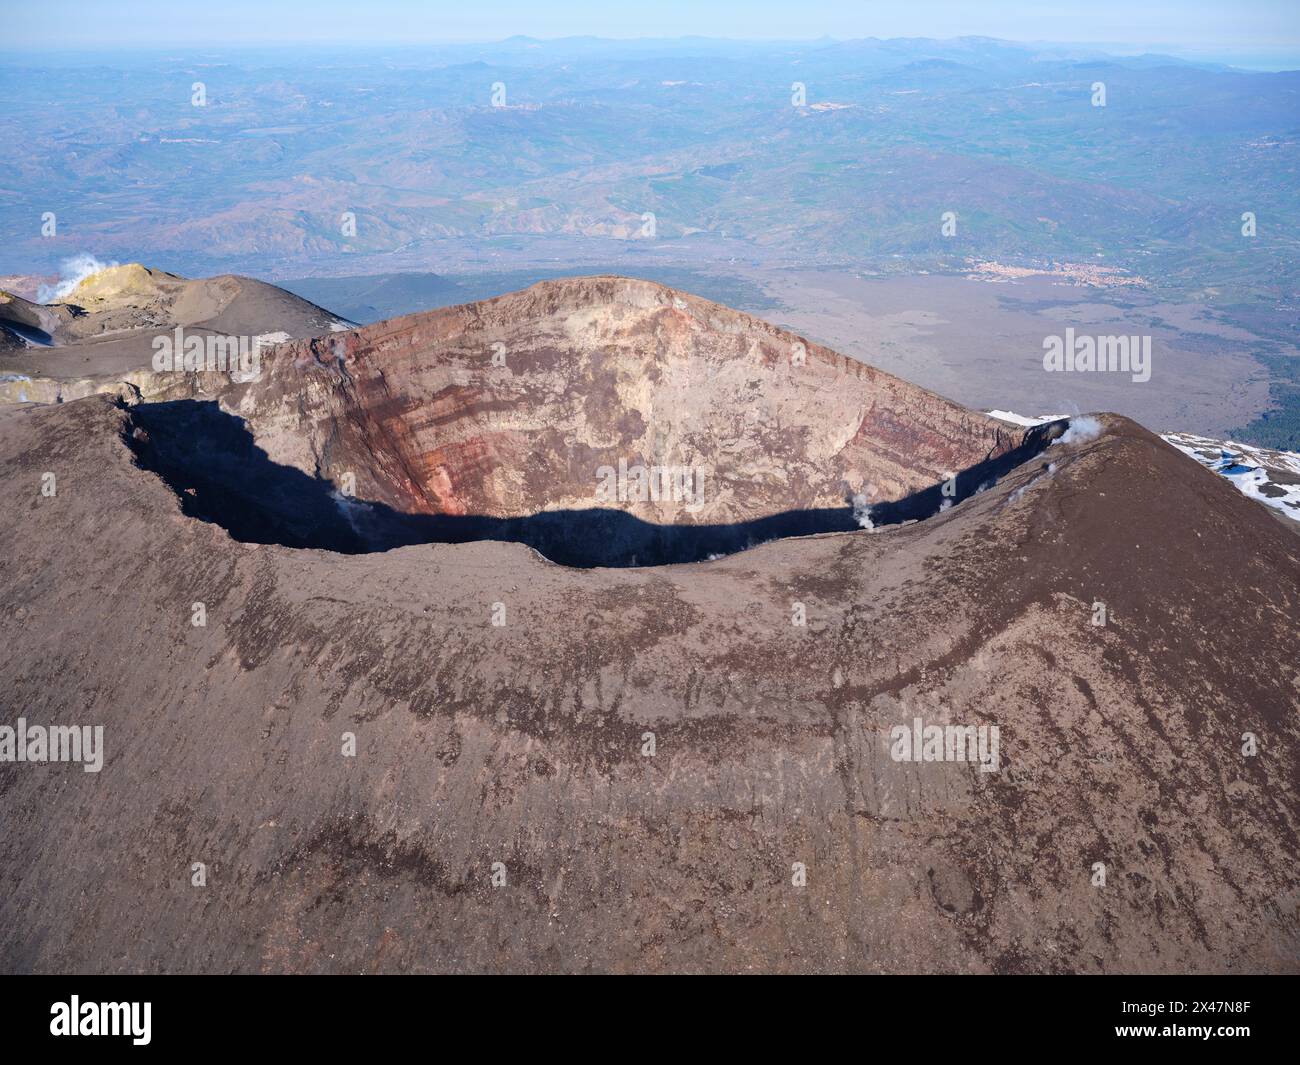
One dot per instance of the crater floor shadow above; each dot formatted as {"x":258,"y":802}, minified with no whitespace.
{"x":210,"y":459}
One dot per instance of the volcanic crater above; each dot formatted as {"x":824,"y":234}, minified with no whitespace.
{"x":602,"y":421}
{"x":501,"y":705}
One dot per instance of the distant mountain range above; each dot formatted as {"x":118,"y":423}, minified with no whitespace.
{"x":670,"y":160}
{"x":839,"y":153}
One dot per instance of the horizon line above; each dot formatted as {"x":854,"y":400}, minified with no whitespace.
{"x":407,"y":42}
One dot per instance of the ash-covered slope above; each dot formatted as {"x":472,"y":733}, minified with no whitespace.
{"x":101,"y":335}
{"x":658,"y":768}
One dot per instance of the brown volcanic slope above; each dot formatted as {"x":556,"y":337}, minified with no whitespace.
{"x":524,"y":743}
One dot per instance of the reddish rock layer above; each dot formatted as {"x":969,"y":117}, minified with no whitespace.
{"x":513,"y":406}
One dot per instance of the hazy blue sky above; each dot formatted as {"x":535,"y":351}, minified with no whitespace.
{"x":1205,"y":26}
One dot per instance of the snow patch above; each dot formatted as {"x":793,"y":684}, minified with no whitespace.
{"x":1020,"y":419}
{"x":1262,"y":474}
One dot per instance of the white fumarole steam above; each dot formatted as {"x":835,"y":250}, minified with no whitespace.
{"x":72,"y":272}
{"x":1081,"y":430}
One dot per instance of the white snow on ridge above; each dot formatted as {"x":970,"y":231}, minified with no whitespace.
{"x":1020,"y":419}
{"x":1281,"y":461}
{"x":1271,"y":477}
